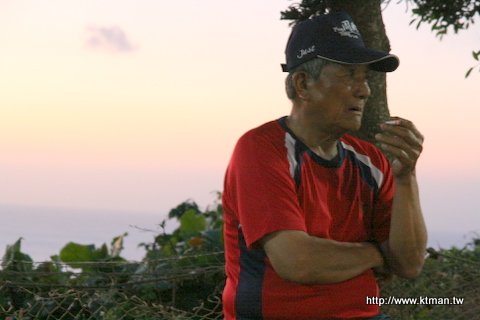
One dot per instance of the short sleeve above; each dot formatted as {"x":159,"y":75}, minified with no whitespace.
{"x":260,"y":193}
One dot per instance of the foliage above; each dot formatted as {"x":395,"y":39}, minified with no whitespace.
{"x":19,"y":271}
{"x":298,"y":12}
{"x":73,"y":254}
{"x":446,"y":274}
{"x":14,"y":259}
{"x":458,"y":14}
{"x":475,"y":56}
{"x":186,"y":263}
{"x":198,"y":231}
{"x":199,"y":234}
{"x":305,"y":9}
{"x":442,"y":15}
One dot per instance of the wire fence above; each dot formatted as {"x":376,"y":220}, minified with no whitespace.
{"x":190,"y":286}
{"x":183,"y":287}
{"x":448,"y":288}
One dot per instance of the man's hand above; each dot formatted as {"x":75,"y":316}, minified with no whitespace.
{"x":404,"y":142}
{"x":383,"y":273}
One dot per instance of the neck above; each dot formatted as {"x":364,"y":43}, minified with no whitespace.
{"x":322,"y":143}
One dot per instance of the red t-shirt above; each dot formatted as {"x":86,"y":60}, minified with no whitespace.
{"x":274,"y":182}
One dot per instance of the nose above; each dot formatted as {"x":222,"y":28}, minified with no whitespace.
{"x":362,"y":89}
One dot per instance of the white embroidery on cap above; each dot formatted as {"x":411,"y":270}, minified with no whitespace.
{"x":348,"y":29}
{"x":304,"y":52}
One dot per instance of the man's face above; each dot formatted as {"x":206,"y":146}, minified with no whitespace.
{"x":338,"y":97}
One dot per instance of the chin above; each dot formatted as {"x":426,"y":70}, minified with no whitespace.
{"x":357,"y":127}
{"x":354,"y":125}
{"x":345,"y":127}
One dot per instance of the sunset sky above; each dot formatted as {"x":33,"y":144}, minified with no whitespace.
{"x":136,"y":105}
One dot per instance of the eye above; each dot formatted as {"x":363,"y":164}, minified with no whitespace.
{"x":353,"y":74}
{"x":359,"y":75}
{"x":347,"y":73}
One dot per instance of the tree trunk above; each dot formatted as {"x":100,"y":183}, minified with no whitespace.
{"x":367,"y":15}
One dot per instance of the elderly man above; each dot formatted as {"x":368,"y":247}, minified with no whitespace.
{"x":312,"y":213}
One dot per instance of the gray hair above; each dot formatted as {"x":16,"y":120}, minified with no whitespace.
{"x":313,"y":67}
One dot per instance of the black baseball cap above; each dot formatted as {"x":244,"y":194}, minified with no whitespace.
{"x":334,"y":37}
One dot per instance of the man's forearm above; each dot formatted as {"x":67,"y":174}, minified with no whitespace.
{"x":405,"y":250}
{"x":299,"y":257}
{"x":346,"y":261}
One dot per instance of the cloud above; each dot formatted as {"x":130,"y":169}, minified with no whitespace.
{"x":109,"y":38}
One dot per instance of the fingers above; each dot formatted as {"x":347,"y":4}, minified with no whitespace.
{"x":403,"y":127}
{"x":401,"y":139}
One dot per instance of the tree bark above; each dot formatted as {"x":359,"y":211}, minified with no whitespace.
{"x":367,"y":15}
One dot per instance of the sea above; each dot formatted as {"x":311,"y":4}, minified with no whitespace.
{"x":45,"y":231}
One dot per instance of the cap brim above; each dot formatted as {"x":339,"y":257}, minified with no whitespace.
{"x":388,"y":63}
{"x":382,"y":61}
{"x":376,"y":59}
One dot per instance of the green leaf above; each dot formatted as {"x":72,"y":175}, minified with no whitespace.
{"x":418,"y":24}
{"x":13,"y":258}
{"x":12,"y":250}
{"x":468,"y":72}
{"x":182,"y":208}
{"x":190,"y":221}
{"x":167,"y":250}
{"x":476,"y":55}
{"x":100,"y":253}
{"x":74,"y":252}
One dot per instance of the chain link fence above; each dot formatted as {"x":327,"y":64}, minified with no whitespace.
{"x":448,"y":288}
{"x":190,"y":286}
{"x":183,"y":287}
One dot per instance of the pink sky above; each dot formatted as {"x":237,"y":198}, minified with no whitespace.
{"x":125,"y":106}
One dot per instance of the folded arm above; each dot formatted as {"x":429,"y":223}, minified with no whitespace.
{"x":299,"y":257}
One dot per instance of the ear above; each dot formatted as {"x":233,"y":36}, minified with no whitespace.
{"x":300,"y":83}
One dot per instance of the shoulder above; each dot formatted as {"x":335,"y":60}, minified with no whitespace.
{"x":262,"y":147}
{"x":267,"y":134}
{"x":265,"y":130}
